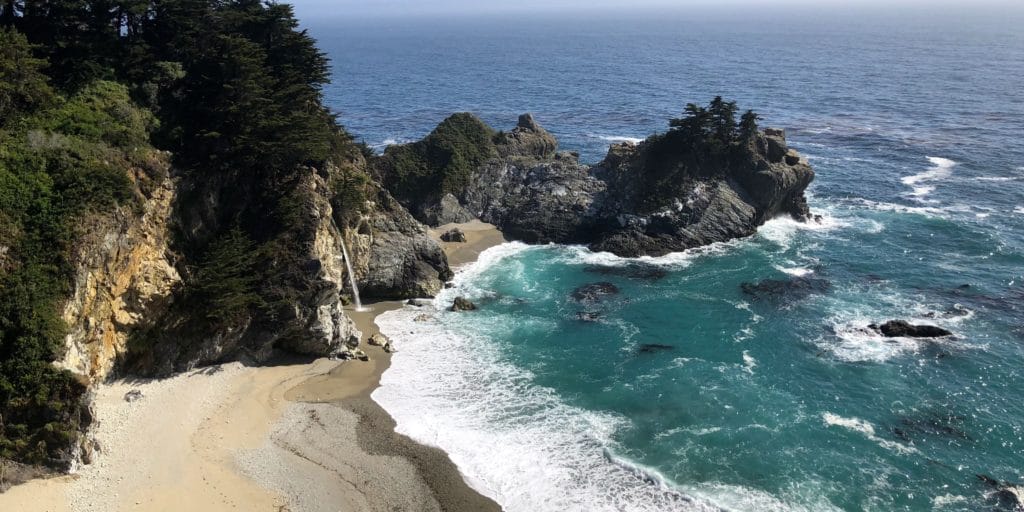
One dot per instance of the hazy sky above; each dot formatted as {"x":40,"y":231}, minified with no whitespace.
{"x":309,"y":9}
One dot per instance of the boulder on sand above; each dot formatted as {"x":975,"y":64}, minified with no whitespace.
{"x":462,"y":304}
{"x":453,"y":235}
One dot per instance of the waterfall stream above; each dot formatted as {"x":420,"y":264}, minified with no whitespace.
{"x":351,"y":277}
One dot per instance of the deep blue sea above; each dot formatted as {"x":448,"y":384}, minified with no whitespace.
{"x":914,"y":122}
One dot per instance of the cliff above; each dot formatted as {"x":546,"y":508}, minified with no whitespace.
{"x":664,"y":194}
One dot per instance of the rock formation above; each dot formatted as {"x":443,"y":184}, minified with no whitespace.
{"x":536,"y":194}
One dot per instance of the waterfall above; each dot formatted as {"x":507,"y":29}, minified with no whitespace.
{"x":351,"y":277}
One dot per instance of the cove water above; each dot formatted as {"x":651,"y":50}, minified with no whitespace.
{"x":684,"y":392}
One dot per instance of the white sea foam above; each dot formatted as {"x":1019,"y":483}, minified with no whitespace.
{"x":941,"y":169}
{"x":516,"y":442}
{"x":781,"y":230}
{"x":1019,"y":210}
{"x":867,"y":429}
{"x":795,"y":271}
{"x":749,"y":363}
{"x":997,"y":178}
{"x":580,"y":255}
{"x":617,"y":138}
{"x":948,"y":500}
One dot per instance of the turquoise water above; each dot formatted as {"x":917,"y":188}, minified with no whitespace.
{"x":684,"y":392}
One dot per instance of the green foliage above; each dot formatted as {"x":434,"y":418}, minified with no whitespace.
{"x":58,"y":166}
{"x":23,"y":86}
{"x":226,"y":281}
{"x":706,"y":141}
{"x":352,"y":188}
{"x":441,"y":163}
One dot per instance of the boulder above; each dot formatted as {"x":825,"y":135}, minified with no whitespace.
{"x":904,"y":329}
{"x":133,"y":395}
{"x":594,"y":292}
{"x":462,"y":304}
{"x":453,"y":235}
{"x":792,"y":157}
{"x":1004,"y":495}
{"x":378,"y":340}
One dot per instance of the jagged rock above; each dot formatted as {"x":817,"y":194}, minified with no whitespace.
{"x":539,"y":195}
{"x":901,"y":329}
{"x":378,"y":340}
{"x":594,"y":292}
{"x":462,"y":304}
{"x":1005,"y":496}
{"x":529,"y":140}
{"x":352,"y":341}
{"x":447,"y":210}
{"x":389,"y":348}
{"x":420,"y":302}
{"x":133,"y":395}
{"x":453,"y":235}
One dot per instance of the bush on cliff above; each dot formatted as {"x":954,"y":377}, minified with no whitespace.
{"x":60,"y":165}
{"x":441,"y":163}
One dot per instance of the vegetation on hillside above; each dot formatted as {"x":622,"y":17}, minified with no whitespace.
{"x":441,"y":163}
{"x":705,"y":141}
{"x":88,"y":89}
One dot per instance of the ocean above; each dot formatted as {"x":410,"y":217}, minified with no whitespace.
{"x":686,"y":392}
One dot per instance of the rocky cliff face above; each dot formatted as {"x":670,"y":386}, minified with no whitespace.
{"x":131,"y":301}
{"x":124,"y":278}
{"x":538,"y":195}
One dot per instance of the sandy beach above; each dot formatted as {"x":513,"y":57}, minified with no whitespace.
{"x":295,"y":436}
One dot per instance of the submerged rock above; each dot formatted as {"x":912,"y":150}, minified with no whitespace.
{"x":594,"y":292}
{"x":453,"y":235}
{"x":904,"y":329}
{"x":462,"y":304}
{"x":643,"y":271}
{"x":650,"y":348}
{"x":792,"y":289}
{"x":588,"y":316}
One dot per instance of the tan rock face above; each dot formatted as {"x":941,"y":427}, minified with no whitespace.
{"x":124,"y":275}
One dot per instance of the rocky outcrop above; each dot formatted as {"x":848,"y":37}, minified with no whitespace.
{"x":904,"y":329}
{"x":401,"y":260}
{"x":462,"y":304}
{"x":536,"y":194}
{"x":124,"y":278}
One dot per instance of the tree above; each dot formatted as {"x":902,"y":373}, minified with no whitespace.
{"x":23,"y":86}
{"x":748,"y":125}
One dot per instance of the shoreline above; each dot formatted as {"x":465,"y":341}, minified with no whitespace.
{"x":293,"y":435}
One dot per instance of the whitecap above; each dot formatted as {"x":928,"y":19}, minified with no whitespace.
{"x":616,"y":138}
{"x":749,"y":363}
{"x":941,"y":169}
{"x":867,"y":429}
{"x":948,"y":500}
{"x":782,"y":229}
{"x":997,"y":178}
{"x":795,"y":271}
{"x":1019,"y":210}
{"x":581,"y":255}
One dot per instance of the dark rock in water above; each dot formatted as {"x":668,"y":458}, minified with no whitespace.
{"x":453,"y":235}
{"x":934,"y":425}
{"x":449,"y":285}
{"x":588,"y":316}
{"x":133,"y":395}
{"x":903,"y":329}
{"x":1005,"y":496}
{"x":536,"y":194}
{"x":650,"y":348}
{"x":462,"y":304}
{"x":594,"y":292}
{"x":644,"y":271}
{"x":791,"y":289}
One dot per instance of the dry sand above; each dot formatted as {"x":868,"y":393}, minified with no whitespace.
{"x":297,"y":436}
{"x":480,"y":236}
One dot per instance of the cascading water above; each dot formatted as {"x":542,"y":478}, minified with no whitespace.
{"x":351,"y":277}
